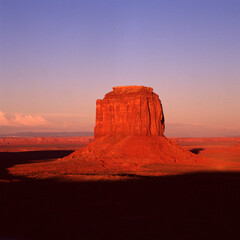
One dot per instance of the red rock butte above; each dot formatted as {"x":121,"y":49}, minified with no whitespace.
{"x":128,"y":140}
{"x":129,"y":111}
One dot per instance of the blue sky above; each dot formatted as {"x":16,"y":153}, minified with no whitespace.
{"x":58,"y":57}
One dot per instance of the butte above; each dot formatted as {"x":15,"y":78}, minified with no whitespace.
{"x":128,"y":139}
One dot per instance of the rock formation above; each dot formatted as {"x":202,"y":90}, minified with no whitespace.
{"x":129,"y":111}
{"x":128,"y":140}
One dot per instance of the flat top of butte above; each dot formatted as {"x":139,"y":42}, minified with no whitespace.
{"x":126,"y":89}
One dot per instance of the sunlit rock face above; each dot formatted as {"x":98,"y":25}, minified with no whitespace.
{"x":129,"y":111}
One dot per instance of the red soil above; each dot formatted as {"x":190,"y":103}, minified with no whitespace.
{"x":125,"y":155}
{"x":137,"y":155}
{"x":182,"y":206}
{"x":224,"y":152}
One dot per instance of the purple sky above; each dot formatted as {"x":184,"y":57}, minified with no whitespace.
{"x":58,"y":56}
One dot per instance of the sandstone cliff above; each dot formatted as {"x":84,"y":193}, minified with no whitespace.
{"x":129,"y":111}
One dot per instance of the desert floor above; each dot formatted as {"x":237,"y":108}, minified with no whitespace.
{"x":190,"y":205}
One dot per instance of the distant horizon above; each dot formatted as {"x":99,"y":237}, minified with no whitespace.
{"x":86,"y":134}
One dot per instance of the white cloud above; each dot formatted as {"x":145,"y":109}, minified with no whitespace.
{"x":3,"y":120}
{"x":21,"y":120}
{"x":29,"y":120}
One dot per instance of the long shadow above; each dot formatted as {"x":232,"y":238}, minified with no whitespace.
{"x":196,"y":150}
{"x":9,"y":159}
{"x":191,"y":206}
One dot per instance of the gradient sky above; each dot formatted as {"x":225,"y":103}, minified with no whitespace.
{"x":58,"y":56}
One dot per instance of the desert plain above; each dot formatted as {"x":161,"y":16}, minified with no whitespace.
{"x":129,"y":181}
{"x":184,"y":202}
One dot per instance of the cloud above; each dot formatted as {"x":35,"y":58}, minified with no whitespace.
{"x":3,"y":120}
{"x":16,"y":122}
{"x":21,"y":120}
{"x":29,"y":120}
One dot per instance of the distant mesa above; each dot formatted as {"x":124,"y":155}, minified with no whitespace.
{"x":129,"y":139}
{"x":129,"y":111}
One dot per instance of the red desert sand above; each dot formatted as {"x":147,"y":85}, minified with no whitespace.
{"x":128,"y":140}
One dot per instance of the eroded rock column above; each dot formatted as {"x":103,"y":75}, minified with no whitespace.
{"x":129,"y":110}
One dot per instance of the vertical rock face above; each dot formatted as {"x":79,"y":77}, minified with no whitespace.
{"x":129,"y":111}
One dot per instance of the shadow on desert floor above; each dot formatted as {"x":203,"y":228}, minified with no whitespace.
{"x":9,"y":159}
{"x":196,"y":150}
{"x":190,"y":206}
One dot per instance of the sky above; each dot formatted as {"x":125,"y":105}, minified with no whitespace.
{"x":58,"y":56}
